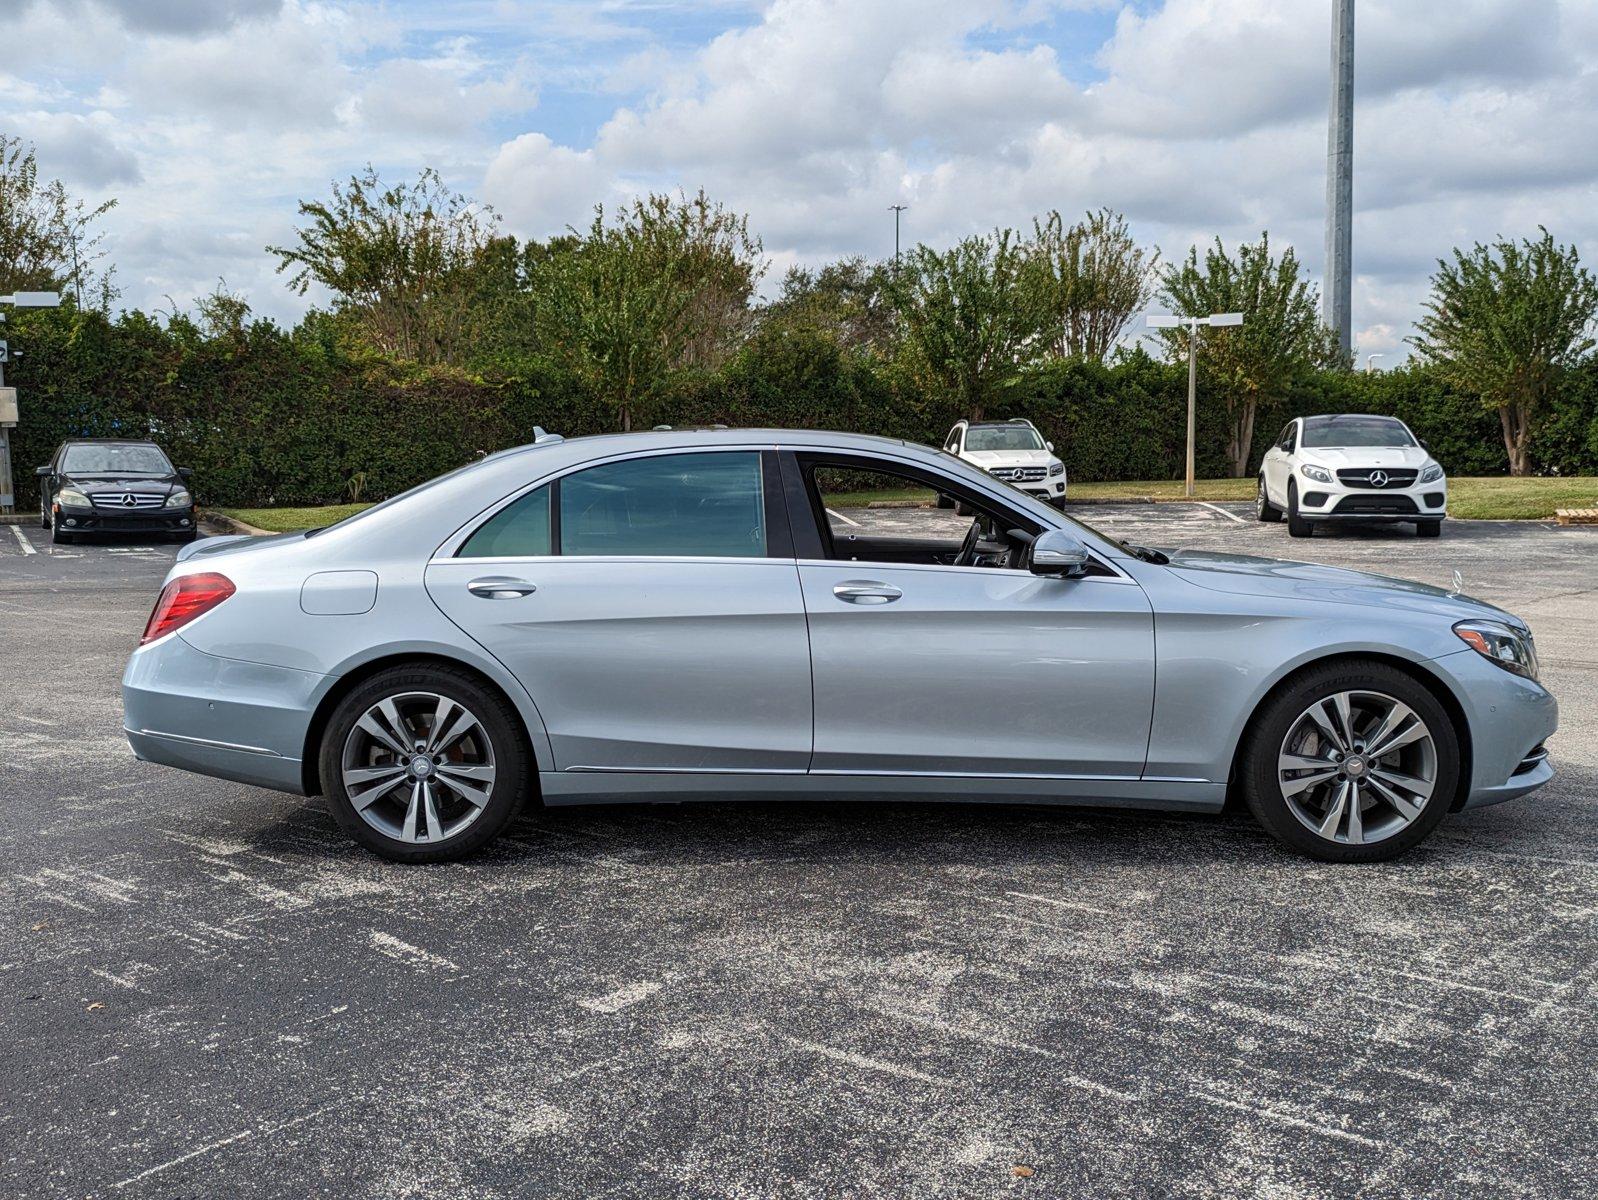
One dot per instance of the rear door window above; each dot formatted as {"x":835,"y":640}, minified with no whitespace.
{"x":709,"y":505}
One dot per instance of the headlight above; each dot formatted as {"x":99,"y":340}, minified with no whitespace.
{"x":1431,"y":474}
{"x":1318,"y":474}
{"x":1057,"y":468}
{"x":179,"y":499}
{"x":1506,"y":646}
{"x":72,"y":498}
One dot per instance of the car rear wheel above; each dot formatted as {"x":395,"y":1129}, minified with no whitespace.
{"x":424,"y":764}
{"x":1264,"y":510}
{"x":1430,"y":529}
{"x":1354,"y":762}
{"x":1297,"y":526}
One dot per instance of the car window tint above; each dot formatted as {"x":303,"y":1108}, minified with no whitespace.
{"x":114,"y":460}
{"x":518,"y":530}
{"x":688,"y":505}
{"x":1325,"y":433}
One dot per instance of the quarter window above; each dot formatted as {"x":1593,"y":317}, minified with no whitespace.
{"x":680,"y":505}
{"x":519,"y":530}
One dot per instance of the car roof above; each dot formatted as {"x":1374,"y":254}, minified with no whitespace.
{"x":109,"y":442}
{"x":1328,"y":418}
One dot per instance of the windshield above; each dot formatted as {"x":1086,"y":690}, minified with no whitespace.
{"x":114,"y":460}
{"x":1321,"y":433}
{"x":1002,"y":437}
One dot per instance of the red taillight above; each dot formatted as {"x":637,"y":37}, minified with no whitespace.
{"x":184,"y":599}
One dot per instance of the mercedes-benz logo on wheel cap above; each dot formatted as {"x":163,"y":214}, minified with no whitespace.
{"x":1378,"y":478}
{"x":127,"y":500}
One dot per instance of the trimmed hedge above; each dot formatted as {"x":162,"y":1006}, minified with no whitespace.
{"x":276,"y":418}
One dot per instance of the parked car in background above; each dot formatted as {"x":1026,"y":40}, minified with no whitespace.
{"x":687,"y":614}
{"x":1353,"y":468}
{"x":112,"y":485}
{"x":1012,"y":451}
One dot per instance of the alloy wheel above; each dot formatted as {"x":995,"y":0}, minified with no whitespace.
{"x":1357,"y":767}
{"x":418,"y":767}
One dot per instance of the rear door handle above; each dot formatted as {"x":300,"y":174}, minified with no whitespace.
{"x":500,"y":587}
{"x":866,"y":591}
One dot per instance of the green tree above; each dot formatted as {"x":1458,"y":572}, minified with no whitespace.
{"x":1092,"y":278}
{"x":846,"y":301}
{"x":970,"y":321}
{"x":1504,"y":322}
{"x":663,"y":288}
{"x":1281,"y":337}
{"x":48,"y":240}
{"x":400,"y":262}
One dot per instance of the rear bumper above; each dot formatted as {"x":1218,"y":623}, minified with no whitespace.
{"x":218,"y":716}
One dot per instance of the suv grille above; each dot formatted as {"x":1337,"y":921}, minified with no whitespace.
{"x":1360,"y":477}
{"x":1376,"y":504}
{"x":1019,"y":474}
{"x":128,"y":501}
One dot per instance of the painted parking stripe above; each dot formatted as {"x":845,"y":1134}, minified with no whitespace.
{"x":1223,"y":512}
{"x":22,"y":540}
{"x":841,"y":517}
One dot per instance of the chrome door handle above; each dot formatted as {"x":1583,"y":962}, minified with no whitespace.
{"x":866,"y":591}
{"x":500,"y":587}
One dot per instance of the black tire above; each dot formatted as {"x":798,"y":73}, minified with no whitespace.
{"x":1297,"y":526}
{"x":59,"y":536}
{"x":1429,"y":529}
{"x":512,"y":760}
{"x":945,"y":501}
{"x":1058,"y":502}
{"x":1264,"y":510}
{"x":1259,"y":779}
{"x":44,"y":515}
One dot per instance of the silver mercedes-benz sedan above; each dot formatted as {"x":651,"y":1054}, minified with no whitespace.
{"x":701,"y":614}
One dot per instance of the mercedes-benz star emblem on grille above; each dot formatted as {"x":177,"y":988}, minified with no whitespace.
{"x":1378,"y":478}
{"x":128,"y":500}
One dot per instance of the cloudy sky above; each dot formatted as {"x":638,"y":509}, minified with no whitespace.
{"x":209,"y":119}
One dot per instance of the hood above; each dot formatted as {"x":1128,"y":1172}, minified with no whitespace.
{"x":1246,"y":574}
{"x":1008,"y":458}
{"x":94,"y":485}
{"x":1367,"y":456}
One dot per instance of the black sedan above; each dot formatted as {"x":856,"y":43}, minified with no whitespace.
{"x":113,"y":486}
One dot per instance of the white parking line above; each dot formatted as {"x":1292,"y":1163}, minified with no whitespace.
{"x":1223,"y":512}
{"x":22,"y":540}
{"x":844,"y":519}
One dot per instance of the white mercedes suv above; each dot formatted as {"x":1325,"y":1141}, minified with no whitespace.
{"x":1012,"y":451}
{"x":1350,"y":468}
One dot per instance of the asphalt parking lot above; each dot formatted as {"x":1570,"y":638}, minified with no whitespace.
{"x":208,"y":991}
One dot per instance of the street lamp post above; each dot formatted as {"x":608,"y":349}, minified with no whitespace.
{"x":8,"y":396}
{"x":1370,"y":362}
{"x":896,"y":209}
{"x":1165,"y":321}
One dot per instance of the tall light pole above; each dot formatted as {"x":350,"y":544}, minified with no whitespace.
{"x":896,"y":209}
{"x":1163,"y":321}
{"x":1339,"y":311}
{"x":1370,"y":362}
{"x":8,"y":396}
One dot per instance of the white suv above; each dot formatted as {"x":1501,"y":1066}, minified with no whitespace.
{"x":1350,"y":468}
{"x":1013,"y":451}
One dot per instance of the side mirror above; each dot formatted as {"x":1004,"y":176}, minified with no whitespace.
{"x":186,"y":472}
{"x":1049,"y":446}
{"x":1059,"y":555}
{"x":1423,"y":445}
{"x":43,"y":472}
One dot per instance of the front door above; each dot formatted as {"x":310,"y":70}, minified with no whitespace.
{"x":959,"y":663}
{"x":652,"y":608}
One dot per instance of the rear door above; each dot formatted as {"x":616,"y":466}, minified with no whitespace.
{"x":651,"y":606}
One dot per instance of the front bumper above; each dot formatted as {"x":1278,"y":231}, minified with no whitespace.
{"x":1339,"y":502}
{"x":218,"y":716}
{"x":1510,"y":720}
{"x":1045,"y":489}
{"x":110,"y":520}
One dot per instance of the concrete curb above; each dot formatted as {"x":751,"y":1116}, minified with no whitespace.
{"x":226,"y":524}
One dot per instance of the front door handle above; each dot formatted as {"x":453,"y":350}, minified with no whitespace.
{"x":500,"y":587}
{"x":866,"y":591}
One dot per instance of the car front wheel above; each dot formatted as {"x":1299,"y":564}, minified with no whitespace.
{"x":1430,"y":529}
{"x":1297,"y":526}
{"x":424,"y":764}
{"x":1355,"y":761}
